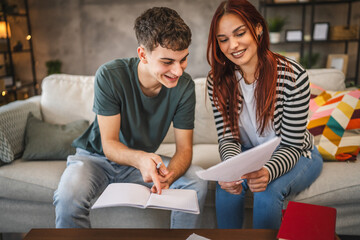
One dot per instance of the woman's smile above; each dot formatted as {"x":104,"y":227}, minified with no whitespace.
{"x":238,"y":54}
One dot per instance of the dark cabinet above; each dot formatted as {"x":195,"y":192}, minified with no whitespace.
{"x":17,"y":64}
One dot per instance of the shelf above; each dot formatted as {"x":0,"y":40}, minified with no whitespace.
{"x":307,"y":48}
{"x":306,"y":3}
{"x":21,"y":51}
{"x":16,"y":66}
{"x":316,"y":41}
{"x":14,"y":88}
{"x":13,"y":15}
{"x":334,"y":41}
{"x":6,"y":75}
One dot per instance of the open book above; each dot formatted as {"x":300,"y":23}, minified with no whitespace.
{"x":245,"y":162}
{"x":136,"y":195}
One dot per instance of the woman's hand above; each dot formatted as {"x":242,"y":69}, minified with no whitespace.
{"x":232,"y":187}
{"x":258,"y":180}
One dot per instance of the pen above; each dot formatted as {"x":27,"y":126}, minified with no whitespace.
{"x":158,"y":165}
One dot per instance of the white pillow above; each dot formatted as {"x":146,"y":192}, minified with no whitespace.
{"x":67,"y":98}
{"x":327,"y":78}
{"x":205,"y":130}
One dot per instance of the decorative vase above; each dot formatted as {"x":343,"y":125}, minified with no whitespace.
{"x":274,"y":37}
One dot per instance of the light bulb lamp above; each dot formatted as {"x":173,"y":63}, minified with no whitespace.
{"x":5,"y":30}
{"x":5,"y":34}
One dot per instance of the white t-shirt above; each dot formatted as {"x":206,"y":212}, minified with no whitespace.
{"x":247,"y":120}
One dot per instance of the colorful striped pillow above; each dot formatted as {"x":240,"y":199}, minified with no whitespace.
{"x":334,"y":120}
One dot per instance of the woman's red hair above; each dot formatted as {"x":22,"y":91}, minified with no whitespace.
{"x":226,"y":94}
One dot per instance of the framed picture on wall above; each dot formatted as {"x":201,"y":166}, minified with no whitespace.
{"x":9,"y":81}
{"x":321,"y":31}
{"x":293,"y":35}
{"x":338,"y":61}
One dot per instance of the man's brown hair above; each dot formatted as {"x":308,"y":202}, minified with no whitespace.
{"x":162,"y":26}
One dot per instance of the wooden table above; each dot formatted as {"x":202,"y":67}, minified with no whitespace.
{"x":110,"y":233}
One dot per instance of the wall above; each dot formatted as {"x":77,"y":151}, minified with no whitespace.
{"x":84,"y":34}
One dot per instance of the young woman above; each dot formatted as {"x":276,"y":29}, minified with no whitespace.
{"x":256,"y":95}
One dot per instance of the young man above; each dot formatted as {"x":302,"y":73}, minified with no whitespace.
{"x":135,"y":101}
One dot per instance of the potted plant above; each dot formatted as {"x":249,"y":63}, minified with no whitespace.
{"x":275,"y":26}
{"x":309,"y":62}
{"x":53,"y":66}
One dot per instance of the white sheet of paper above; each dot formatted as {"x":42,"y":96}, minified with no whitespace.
{"x":234,"y":168}
{"x":194,"y":236}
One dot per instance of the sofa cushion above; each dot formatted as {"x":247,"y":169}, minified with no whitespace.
{"x":204,"y":155}
{"x":6,"y":153}
{"x":327,"y":78}
{"x":335,"y":123}
{"x":30,"y":180}
{"x":338,"y":183}
{"x":66,"y":98}
{"x":48,"y":141}
{"x":205,"y":130}
{"x":13,"y":118}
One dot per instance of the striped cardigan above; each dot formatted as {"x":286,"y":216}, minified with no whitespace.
{"x":290,"y":119}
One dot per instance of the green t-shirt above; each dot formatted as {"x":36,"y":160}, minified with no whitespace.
{"x":144,"y":120}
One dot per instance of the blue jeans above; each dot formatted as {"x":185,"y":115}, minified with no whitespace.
{"x":87,"y":175}
{"x":269,"y":203}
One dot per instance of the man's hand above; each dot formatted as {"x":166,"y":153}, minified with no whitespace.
{"x":164,"y":183}
{"x":150,"y":173}
{"x":232,"y":187}
{"x":258,"y":180}
{"x":117,"y":152}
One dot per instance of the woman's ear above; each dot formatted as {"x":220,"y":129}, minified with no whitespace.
{"x":259,"y":31}
{"x":142,"y":54}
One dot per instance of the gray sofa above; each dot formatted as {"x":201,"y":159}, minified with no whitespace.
{"x":27,"y":186}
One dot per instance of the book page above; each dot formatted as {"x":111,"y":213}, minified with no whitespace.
{"x":123,"y":194}
{"x":175,"y":199}
{"x":245,"y":162}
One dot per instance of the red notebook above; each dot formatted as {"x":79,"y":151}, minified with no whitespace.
{"x":307,"y":221}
